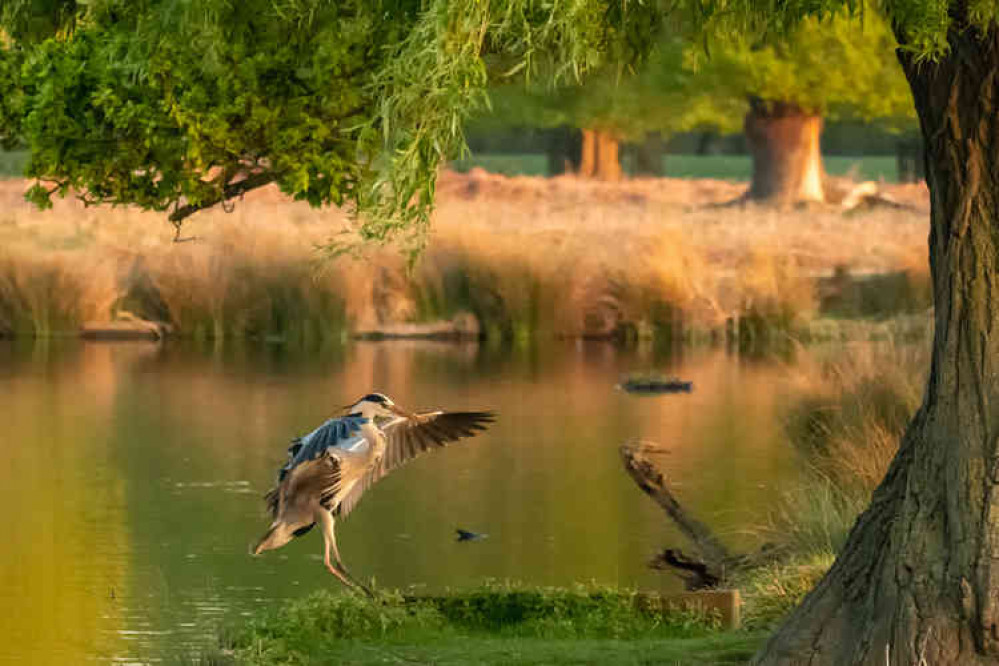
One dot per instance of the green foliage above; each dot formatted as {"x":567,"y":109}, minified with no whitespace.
{"x":628,"y":102}
{"x":177,"y":106}
{"x":554,"y":612}
{"x":921,"y":26}
{"x":841,"y":67}
{"x":123,"y":116}
{"x":324,"y":623}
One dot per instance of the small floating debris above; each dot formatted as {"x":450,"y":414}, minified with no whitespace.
{"x":653,"y":385}
{"x":126,"y":327}
{"x":465,"y":535}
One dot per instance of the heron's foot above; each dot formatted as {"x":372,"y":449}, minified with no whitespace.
{"x":357,"y":584}
{"x":364,"y":588}
{"x":348,"y":580}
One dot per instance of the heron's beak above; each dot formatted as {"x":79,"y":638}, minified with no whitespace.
{"x":264,"y":543}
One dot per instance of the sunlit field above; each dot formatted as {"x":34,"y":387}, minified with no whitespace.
{"x":526,"y":256}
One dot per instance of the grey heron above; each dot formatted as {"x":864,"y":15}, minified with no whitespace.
{"x":331,"y":467}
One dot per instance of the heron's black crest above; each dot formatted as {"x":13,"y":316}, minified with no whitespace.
{"x":374,"y":397}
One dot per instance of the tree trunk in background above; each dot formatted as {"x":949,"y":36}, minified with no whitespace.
{"x":588,"y":158}
{"x":914,"y":583}
{"x":608,"y":158}
{"x":787,"y":162}
{"x":600,"y":156}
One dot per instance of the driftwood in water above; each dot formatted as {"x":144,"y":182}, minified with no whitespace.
{"x":654,"y":385}
{"x":708,"y":569}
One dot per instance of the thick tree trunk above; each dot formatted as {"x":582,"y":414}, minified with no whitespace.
{"x":787,"y":162}
{"x":600,"y":156}
{"x":915,"y":583}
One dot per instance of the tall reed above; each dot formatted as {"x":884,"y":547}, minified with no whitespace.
{"x":846,"y":428}
{"x":528,"y":257}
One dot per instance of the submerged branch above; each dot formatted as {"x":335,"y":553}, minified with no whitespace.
{"x":714,"y":558}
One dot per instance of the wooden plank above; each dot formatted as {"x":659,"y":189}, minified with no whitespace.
{"x":727,"y":602}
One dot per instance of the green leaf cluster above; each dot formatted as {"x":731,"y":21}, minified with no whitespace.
{"x":171,"y":104}
{"x":178,"y":105}
{"x":843,"y":67}
{"x":920,"y":26}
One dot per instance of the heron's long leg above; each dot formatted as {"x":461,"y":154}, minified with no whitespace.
{"x":326,"y":523}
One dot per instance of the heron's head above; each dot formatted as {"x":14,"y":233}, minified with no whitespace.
{"x":376,"y":405}
{"x":281,"y":532}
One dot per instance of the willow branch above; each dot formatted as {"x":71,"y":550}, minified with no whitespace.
{"x":230,"y":191}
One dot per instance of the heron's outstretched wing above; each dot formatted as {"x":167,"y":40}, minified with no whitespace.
{"x":325,"y":442}
{"x":406,"y":438}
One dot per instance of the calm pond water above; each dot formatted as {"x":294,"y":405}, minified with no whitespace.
{"x":131,"y":478}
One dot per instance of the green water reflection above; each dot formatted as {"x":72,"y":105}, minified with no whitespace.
{"x":131,"y":477}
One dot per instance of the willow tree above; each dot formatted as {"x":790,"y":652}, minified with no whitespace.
{"x":612,"y":105}
{"x":175,"y":105}
{"x":918,"y":578}
{"x":781,"y":92}
{"x":778,"y":93}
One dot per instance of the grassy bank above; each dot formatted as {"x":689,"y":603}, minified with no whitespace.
{"x":494,"y":625}
{"x":527,"y":257}
{"x":845,"y":428}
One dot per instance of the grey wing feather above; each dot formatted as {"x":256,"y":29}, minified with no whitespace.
{"x":339,"y":433}
{"x":406,"y":439}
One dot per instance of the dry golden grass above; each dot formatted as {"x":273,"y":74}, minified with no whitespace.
{"x":847,"y":423}
{"x":525,"y":255}
{"x":854,"y":409}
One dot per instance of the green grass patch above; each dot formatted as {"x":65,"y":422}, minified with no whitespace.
{"x":739,"y":167}
{"x":721,"y":167}
{"x":494,"y":624}
{"x":731,"y":648}
{"x":772,"y":591}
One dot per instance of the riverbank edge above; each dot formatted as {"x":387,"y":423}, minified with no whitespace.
{"x":493,"y":624}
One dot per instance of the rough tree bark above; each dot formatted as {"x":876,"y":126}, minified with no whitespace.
{"x":917,"y":581}
{"x":784,"y":143}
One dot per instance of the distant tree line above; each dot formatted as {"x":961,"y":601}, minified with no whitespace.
{"x":562,"y":146}
{"x":778,"y":98}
